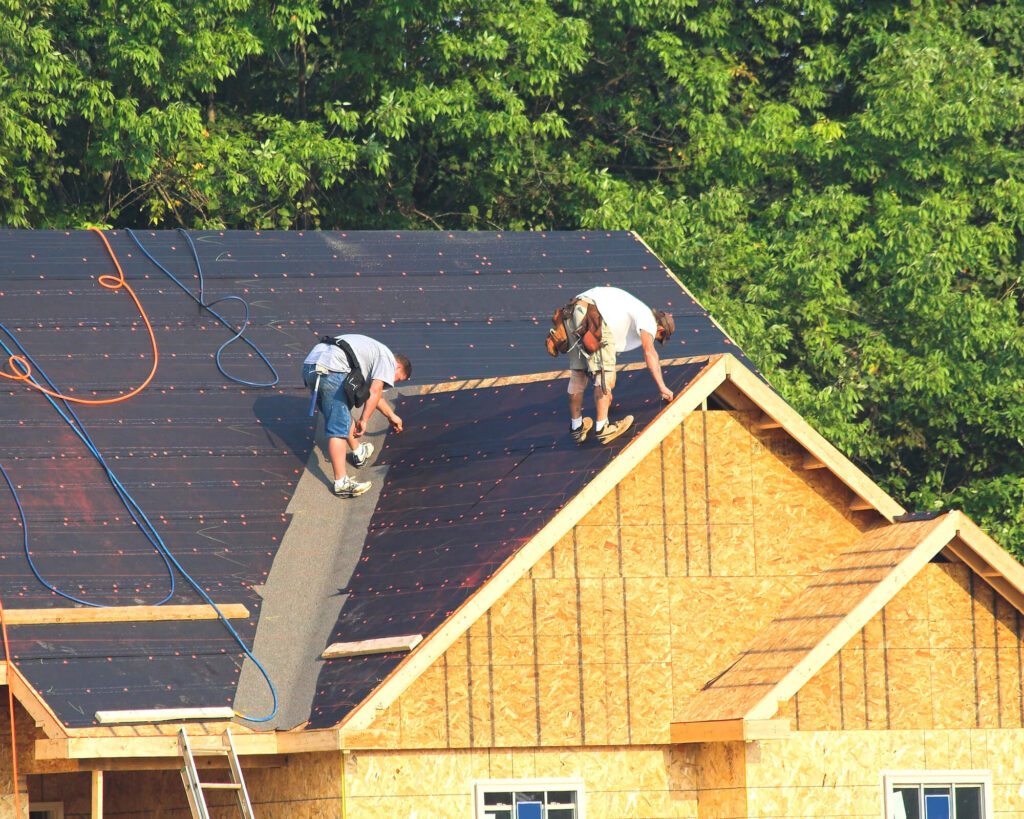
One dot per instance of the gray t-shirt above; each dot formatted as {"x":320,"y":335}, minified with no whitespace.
{"x":375,"y":360}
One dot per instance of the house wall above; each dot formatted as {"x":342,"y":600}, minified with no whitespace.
{"x":839,"y":773}
{"x":619,"y":781}
{"x":650,"y":595}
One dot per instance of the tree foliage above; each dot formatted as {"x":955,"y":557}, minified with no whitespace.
{"x":839,"y":182}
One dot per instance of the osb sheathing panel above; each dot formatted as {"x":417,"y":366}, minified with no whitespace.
{"x":619,"y":781}
{"x":721,"y":780}
{"x":944,"y":653}
{"x":837,"y":773}
{"x":633,"y":574}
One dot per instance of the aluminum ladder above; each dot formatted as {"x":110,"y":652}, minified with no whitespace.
{"x":194,"y":787}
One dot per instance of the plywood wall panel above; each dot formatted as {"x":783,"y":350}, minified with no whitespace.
{"x":560,"y":720}
{"x":730,"y":479}
{"x":721,"y":780}
{"x":817,"y":705}
{"x":564,"y":555}
{"x":909,"y":673}
{"x":642,"y":491}
{"x":598,"y":549}
{"x":731,"y":550}
{"x":457,"y":698}
{"x":423,"y":711}
{"x":949,"y":596}
{"x":694,"y":463}
{"x":1011,"y":686}
{"x":514,"y":705}
{"x":953,"y":692}
{"x":697,"y":542}
{"x":672,"y":476}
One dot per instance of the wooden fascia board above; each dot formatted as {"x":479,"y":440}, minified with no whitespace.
{"x":433,"y":646}
{"x":142,"y":747}
{"x":930,"y":545}
{"x":32,"y":702}
{"x":988,"y":560}
{"x":772,"y":405}
{"x":728,"y":730}
{"x":995,"y":555}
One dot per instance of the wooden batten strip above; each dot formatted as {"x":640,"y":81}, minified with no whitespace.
{"x":775,"y":408}
{"x":164,"y":715}
{"x":729,"y":730}
{"x":384,"y":645}
{"x":120,"y":614}
{"x":685,"y":402}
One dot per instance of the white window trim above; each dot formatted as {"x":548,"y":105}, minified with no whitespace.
{"x":481,"y":786}
{"x":954,"y":777}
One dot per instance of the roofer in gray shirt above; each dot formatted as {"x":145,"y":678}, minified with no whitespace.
{"x":325,"y":371}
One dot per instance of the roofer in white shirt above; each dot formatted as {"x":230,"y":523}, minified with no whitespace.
{"x":592,"y":329}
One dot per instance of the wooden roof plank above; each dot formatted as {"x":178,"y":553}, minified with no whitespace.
{"x":120,"y":614}
{"x":820,"y":620}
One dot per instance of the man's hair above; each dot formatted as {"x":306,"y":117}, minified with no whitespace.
{"x":406,"y":364}
{"x":665,"y":322}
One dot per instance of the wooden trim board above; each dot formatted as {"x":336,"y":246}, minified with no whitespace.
{"x":120,"y":614}
{"x":384,"y":645}
{"x":729,"y":730}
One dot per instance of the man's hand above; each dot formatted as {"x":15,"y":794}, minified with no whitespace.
{"x":360,"y":428}
{"x":666,"y":394}
{"x":396,"y":423}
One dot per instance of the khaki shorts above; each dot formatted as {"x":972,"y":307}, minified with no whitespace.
{"x":585,"y":367}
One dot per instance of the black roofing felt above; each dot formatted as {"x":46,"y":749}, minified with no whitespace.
{"x":212,"y":463}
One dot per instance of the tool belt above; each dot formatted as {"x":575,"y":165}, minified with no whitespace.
{"x":357,"y":390}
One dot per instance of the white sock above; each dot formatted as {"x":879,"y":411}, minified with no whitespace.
{"x":600,"y":425}
{"x":576,"y":422}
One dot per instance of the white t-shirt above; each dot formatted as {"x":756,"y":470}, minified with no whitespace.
{"x":624,"y":314}
{"x":375,"y":360}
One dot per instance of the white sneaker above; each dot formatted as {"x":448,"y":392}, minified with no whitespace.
{"x":361,"y":455}
{"x":348,"y":488}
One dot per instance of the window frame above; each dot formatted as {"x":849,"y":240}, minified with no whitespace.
{"x":483,"y":786}
{"x":54,"y":810}
{"x":891,"y":779}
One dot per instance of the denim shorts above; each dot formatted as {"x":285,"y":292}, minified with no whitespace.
{"x":330,"y":398}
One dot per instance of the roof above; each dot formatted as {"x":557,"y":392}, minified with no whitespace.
{"x":831,"y":609}
{"x":217,"y":467}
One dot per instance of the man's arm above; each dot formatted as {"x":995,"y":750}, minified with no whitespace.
{"x":377,"y":401}
{"x":654,"y":364}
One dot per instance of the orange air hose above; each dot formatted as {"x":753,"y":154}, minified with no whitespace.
{"x":19,"y":366}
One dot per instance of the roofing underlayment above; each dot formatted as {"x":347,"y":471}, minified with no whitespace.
{"x":220,"y":476}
